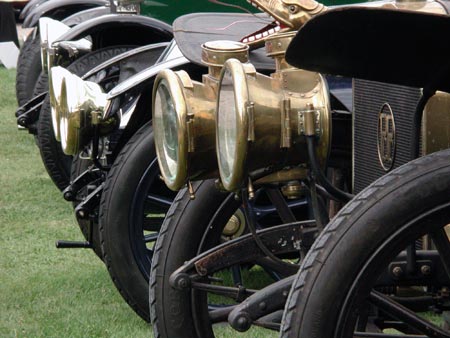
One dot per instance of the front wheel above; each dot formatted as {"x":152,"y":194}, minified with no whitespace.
{"x":133,"y":205}
{"x":365,"y":275}
{"x":193,"y":227}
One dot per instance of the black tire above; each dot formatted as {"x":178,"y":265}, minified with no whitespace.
{"x":190,"y":228}
{"x":80,"y":165}
{"x":171,"y":310}
{"x":338,"y":274}
{"x":55,"y":161}
{"x":127,"y":214}
{"x":28,"y":68}
{"x":41,"y":84}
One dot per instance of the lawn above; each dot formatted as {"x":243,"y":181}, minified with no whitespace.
{"x":45,"y":292}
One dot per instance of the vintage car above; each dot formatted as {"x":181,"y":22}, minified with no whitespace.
{"x":270,"y":135}
{"x":381,"y":266}
{"x":129,"y":202}
{"x":74,"y":12}
{"x":274,"y":136}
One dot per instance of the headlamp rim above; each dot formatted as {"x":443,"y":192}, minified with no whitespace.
{"x":64,"y":125}
{"x":56,"y":73}
{"x":241,"y":100}
{"x":176,"y":91}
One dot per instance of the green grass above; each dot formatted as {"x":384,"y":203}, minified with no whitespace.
{"x":45,"y":292}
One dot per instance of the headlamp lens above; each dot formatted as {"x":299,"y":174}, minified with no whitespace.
{"x":165,"y":119}
{"x":227,"y":133}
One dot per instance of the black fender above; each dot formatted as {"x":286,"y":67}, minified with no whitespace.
{"x":59,"y":10}
{"x":120,"y":29}
{"x":376,"y":44}
{"x":86,"y":15}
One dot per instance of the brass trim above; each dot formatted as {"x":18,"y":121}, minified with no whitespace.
{"x":235,"y":69}
{"x":171,"y":79}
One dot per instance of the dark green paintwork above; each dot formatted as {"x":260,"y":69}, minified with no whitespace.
{"x":169,"y":10}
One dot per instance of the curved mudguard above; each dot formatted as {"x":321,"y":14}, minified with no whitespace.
{"x":86,"y":15}
{"x":59,"y":10}
{"x":29,"y":7}
{"x":120,"y":29}
{"x":400,"y":47}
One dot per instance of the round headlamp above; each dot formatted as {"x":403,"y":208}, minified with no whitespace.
{"x":184,"y":117}
{"x":54,"y":92}
{"x":232,"y":122}
{"x":169,"y":121}
{"x":261,"y":121}
{"x":80,"y":100}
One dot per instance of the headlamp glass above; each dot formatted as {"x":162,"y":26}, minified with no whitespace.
{"x":166,"y":121}
{"x":231,"y":124}
{"x":227,"y":121}
{"x":55,"y":84}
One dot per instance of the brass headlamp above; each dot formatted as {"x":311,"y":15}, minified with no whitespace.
{"x":79,"y":108}
{"x":261,"y":121}
{"x":184,"y":116}
{"x":55,"y":80}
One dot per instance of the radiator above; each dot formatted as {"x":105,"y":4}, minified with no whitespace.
{"x":368,"y":101}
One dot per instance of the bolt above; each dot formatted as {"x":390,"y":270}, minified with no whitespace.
{"x":243,"y":322}
{"x":202,"y":271}
{"x":182,"y":283}
{"x":68,"y":196}
{"x":262,"y":306}
{"x":397,"y":271}
{"x":81,"y":214}
{"x":425,"y":269}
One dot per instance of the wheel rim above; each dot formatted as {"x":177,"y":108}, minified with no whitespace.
{"x":151,"y":198}
{"x":363,"y":291}
{"x":201,"y":303}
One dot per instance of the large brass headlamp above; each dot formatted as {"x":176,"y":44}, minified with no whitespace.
{"x":54,"y":92}
{"x":262,"y":120}
{"x":184,"y":115}
{"x":81,"y":107}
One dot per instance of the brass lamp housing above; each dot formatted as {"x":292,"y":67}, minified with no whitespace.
{"x":54,"y":83}
{"x":184,"y":117}
{"x":262,"y":121}
{"x":81,"y":106}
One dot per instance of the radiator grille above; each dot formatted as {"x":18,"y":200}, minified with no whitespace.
{"x":368,"y":99}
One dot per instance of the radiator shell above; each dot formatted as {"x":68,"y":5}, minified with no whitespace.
{"x":368,"y":99}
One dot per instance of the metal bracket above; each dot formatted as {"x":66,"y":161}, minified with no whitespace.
{"x":190,"y":133}
{"x":250,"y":108}
{"x":28,"y":114}
{"x":85,"y":208}
{"x":286,"y":131}
{"x":80,"y":182}
{"x":303,"y":121}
